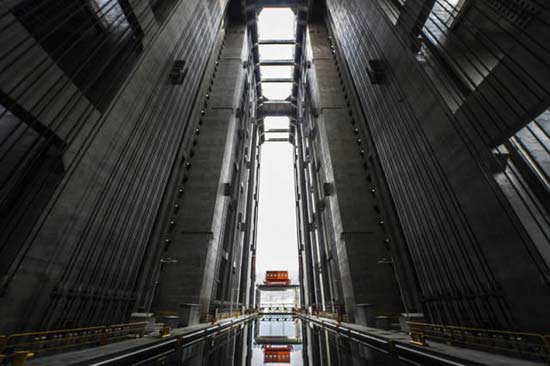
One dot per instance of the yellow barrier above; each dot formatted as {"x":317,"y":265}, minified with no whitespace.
{"x":18,"y":347}
{"x":164,"y":332}
{"x":418,"y":338}
{"x":20,"y":357}
{"x":531,"y":345}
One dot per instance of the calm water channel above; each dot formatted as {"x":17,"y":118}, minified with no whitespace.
{"x":276,"y":340}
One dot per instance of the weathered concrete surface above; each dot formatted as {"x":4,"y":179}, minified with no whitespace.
{"x":471,"y":257}
{"x":82,"y":259}
{"x":197,"y":244}
{"x":354,"y":238}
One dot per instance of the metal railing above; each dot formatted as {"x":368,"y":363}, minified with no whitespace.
{"x":401,"y":351}
{"x":278,"y":308}
{"x":334,"y":311}
{"x":216,"y":314}
{"x":52,"y":341}
{"x":338,"y":316}
{"x":525,"y":345}
{"x":165,"y":351}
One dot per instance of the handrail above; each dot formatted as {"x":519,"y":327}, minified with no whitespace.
{"x":222,"y":313}
{"x":159,"y":348}
{"x":333,"y":311}
{"x":51,"y":341}
{"x":382,"y":343}
{"x":393,"y":343}
{"x":522,"y":344}
{"x":339,"y":317}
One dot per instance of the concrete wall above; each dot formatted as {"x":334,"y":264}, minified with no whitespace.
{"x":471,"y":257}
{"x":210,"y":230}
{"x":81,"y":262}
{"x":349,"y":259}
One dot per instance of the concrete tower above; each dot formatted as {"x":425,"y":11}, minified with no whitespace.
{"x":130,"y":137}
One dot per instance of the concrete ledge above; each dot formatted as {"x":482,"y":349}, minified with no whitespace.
{"x":127,"y":352}
{"x":398,"y":344}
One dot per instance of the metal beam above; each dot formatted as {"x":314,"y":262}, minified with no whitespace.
{"x":277,"y":63}
{"x":277,"y":80}
{"x":277,"y":340}
{"x":277,"y":3}
{"x":277,"y":41}
{"x":276,"y":287}
{"x":276,"y":108}
{"x":277,"y":130}
{"x":277,"y":140}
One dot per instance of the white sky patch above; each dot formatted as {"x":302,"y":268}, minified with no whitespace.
{"x":276,"y":23}
{"x":277,"y":234}
{"x":276,"y":123}
{"x":276,"y":52}
{"x":276,"y":71}
{"x":276,"y":91}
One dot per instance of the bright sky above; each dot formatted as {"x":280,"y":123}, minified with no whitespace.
{"x":276,"y":23}
{"x":276,"y":91}
{"x":277,"y":235}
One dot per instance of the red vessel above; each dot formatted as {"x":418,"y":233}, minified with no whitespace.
{"x":276,"y":278}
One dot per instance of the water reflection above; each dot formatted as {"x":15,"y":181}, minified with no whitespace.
{"x":276,"y":340}
{"x":278,"y":329}
{"x":322,"y":347}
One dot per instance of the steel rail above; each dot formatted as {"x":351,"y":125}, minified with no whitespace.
{"x":410,"y":354}
{"x":167,"y":346}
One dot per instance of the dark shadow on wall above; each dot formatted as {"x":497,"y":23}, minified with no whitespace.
{"x":95,"y":42}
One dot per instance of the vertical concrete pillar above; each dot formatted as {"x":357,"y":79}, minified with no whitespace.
{"x":187,"y":278}
{"x":367,"y":279}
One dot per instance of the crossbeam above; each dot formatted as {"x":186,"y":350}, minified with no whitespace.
{"x":276,"y":41}
{"x":276,"y":108}
{"x":275,"y":130}
{"x":277,"y":80}
{"x":277,"y":63}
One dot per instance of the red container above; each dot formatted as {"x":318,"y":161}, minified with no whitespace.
{"x":276,"y":278}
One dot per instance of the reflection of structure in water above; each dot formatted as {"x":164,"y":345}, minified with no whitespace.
{"x":277,"y":330}
{"x":277,"y":334}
